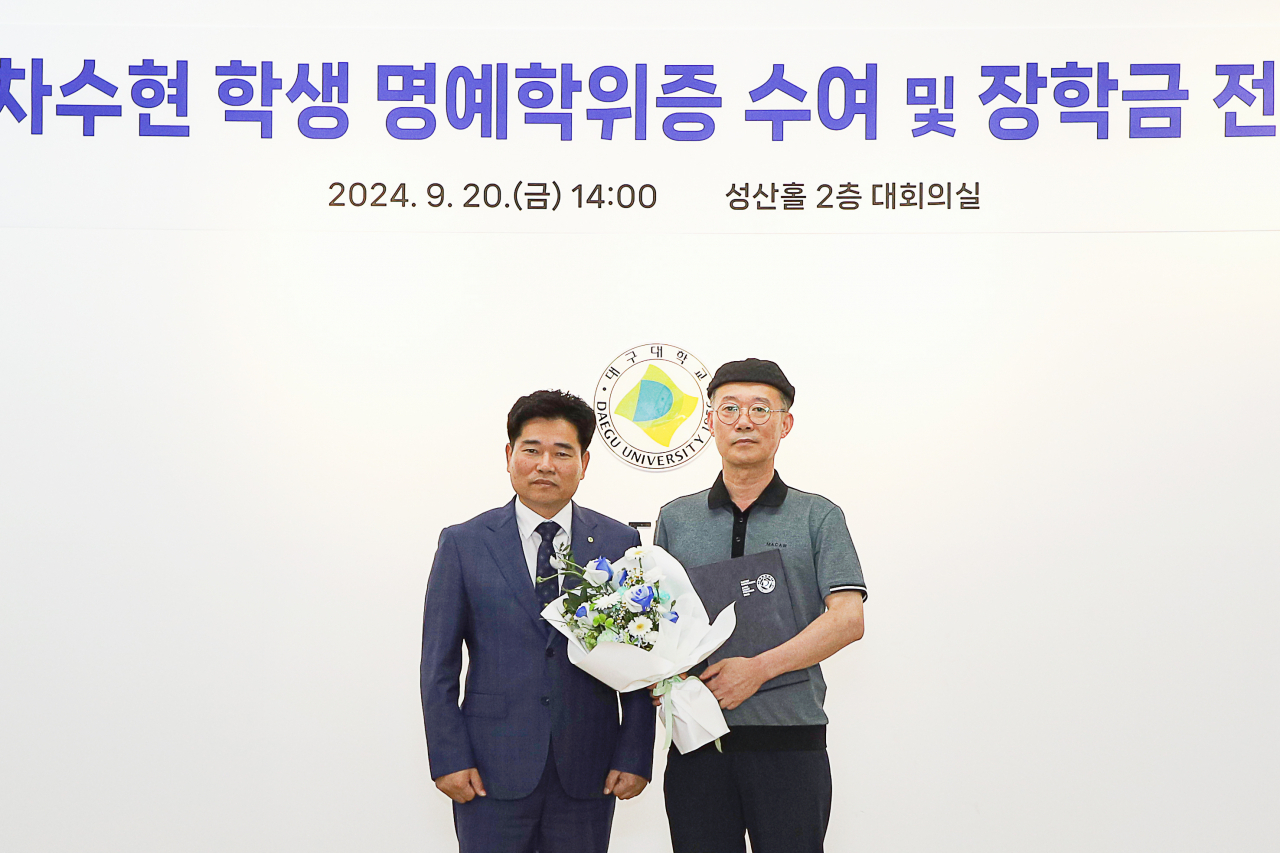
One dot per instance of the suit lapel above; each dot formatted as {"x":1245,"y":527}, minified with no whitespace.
{"x":504,"y":545}
{"x":585,"y":545}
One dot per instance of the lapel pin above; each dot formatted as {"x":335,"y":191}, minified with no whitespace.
{"x":591,"y":538}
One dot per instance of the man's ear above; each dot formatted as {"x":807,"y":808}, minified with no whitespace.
{"x":788,"y":421}
{"x":508,"y":458}
{"x":586,"y":458}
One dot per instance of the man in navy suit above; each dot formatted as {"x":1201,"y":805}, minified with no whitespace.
{"x":535,"y":756}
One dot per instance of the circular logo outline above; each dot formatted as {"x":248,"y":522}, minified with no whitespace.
{"x":766,"y":583}
{"x":620,"y":434}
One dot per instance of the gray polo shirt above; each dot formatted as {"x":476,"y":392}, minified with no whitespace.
{"x":817,"y":555}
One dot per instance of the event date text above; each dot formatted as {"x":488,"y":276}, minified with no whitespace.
{"x":525,"y":195}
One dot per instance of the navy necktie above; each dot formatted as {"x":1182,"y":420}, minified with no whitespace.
{"x":546,"y":586}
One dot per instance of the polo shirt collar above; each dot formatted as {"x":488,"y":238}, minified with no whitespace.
{"x":773,"y":495}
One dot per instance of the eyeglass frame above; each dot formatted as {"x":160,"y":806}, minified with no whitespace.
{"x":747,"y":409}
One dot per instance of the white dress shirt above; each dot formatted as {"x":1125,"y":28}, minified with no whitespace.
{"x":527,"y":521}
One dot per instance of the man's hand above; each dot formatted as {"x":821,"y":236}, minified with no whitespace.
{"x":624,"y":786}
{"x":734,"y":680}
{"x":463,"y":786}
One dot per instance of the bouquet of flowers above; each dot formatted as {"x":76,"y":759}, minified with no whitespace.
{"x":638,"y":622}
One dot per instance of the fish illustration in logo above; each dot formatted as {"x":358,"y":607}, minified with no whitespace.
{"x":657,"y":405}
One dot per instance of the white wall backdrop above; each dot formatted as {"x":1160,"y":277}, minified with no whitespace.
{"x":226,"y":452}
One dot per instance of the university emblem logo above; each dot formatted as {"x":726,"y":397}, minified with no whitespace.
{"x":657,"y":405}
{"x":651,"y":407}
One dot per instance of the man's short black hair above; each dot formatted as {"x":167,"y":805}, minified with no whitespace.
{"x":552,"y":405}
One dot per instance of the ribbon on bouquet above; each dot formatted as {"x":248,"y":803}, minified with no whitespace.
{"x":691,"y":714}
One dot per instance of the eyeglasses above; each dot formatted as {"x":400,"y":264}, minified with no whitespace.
{"x":757,"y":413}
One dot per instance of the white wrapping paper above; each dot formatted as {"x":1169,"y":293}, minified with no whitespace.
{"x":690,"y":712}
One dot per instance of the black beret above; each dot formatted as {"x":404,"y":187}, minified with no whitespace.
{"x":753,"y":370}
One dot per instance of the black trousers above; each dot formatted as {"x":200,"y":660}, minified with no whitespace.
{"x":781,"y":798}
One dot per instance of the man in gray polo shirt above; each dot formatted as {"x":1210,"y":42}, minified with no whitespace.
{"x":772,"y":780}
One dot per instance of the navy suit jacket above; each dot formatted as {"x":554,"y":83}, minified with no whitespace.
{"x":522,"y":694}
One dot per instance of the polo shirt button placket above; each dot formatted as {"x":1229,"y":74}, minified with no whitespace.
{"x":738,"y":548}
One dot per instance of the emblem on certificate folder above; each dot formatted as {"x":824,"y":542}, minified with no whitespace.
{"x":766,"y":583}
{"x":651,"y":407}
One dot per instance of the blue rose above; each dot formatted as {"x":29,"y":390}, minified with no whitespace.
{"x":598,"y":572}
{"x":581,"y":612}
{"x":638,"y":599}
{"x":672,"y":616}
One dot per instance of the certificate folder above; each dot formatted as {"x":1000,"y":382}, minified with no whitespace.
{"x":757,"y":587}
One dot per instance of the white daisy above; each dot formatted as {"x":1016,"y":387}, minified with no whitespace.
{"x":640,"y":627}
